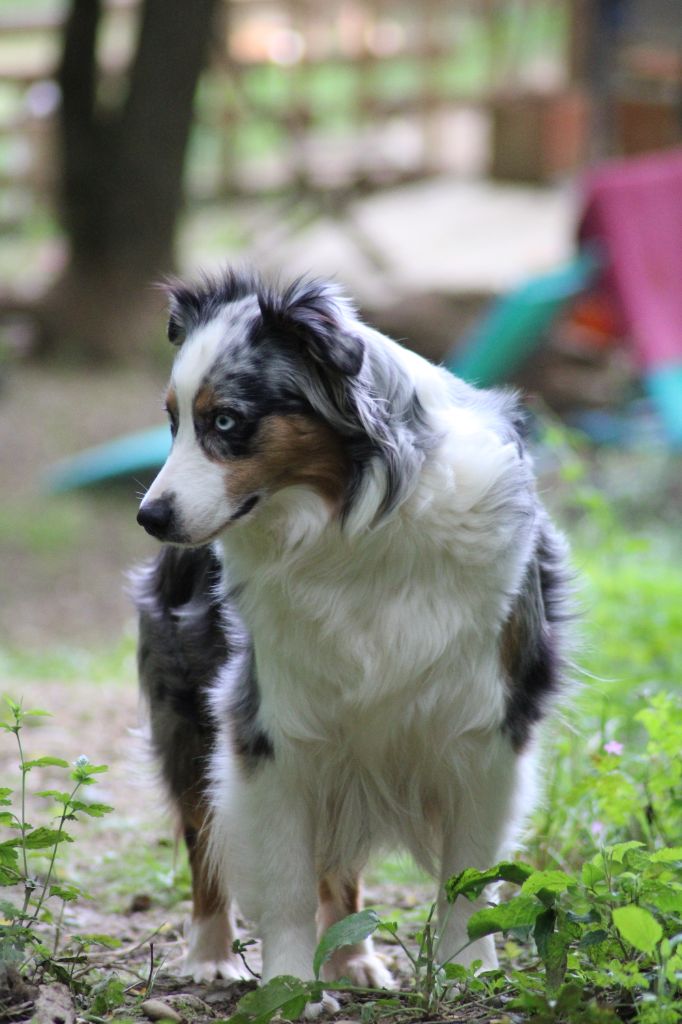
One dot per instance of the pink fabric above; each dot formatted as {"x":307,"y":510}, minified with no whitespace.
{"x":633,"y":210}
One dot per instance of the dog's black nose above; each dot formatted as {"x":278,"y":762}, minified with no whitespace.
{"x":156,"y":517}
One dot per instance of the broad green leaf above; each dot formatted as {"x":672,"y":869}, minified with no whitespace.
{"x":471,"y":882}
{"x":638,"y":927}
{"x":390,"y":927}
{"x":618,"y":851}
{"x":9,"y":911}
{"x":664,"y":897}
{"x":82,"y":771}
{"x":547,"y":881}
{"x":42,"y":838}
{"x":673,"y":971}
{"x":350,"y":930}
{"x":668,"y":855}
{"x":8,"y":853}
{"x":456,"y":972}
{"x":519,"y":912}
{"x":46,"y":762}
{"x":593,"y":938}
{"x":9,"y":819}
{"x":544,"y":927}
{"x":65,"y":891}
{"x":108,"y":996}
{"x":93,"y":809}
{"x":593,"y":871}
{"x":55,"y":794}
{"x":284,"y":995}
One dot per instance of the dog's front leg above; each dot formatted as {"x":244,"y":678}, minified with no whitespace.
{"x":482,"y":823}
{"x":282,"y":845}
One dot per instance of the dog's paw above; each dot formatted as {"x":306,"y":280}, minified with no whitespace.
{"x":366,"y":970}
{"x":230,"y":968}
{"x":326,"y":1005}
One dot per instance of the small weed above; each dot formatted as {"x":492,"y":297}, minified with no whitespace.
{"x":32,"y":928}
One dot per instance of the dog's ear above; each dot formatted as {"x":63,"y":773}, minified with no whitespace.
{"x":177,"y":295}
{"x":177,"y":324}
{"x":177,"y":332}
{"x":313,"y":317}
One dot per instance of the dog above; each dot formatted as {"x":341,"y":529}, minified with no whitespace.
{"x":354,"y":627}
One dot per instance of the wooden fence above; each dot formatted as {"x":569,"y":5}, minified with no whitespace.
{"x":313,"y":94}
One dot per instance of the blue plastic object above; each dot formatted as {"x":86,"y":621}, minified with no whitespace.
{"x":515,"y":324}
{"x":134,"y":453}
{"x":664,"y":384}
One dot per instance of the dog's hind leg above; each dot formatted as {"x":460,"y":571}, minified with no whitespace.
{"x":211,"y":933}
{"x":340,"y":896}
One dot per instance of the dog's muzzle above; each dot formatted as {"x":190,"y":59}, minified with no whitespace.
{"x":157,"y":517}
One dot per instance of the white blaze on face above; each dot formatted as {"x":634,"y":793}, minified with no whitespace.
{"x":196,"y":484}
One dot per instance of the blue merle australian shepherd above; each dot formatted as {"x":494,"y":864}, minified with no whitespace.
{"x":354,"y":625}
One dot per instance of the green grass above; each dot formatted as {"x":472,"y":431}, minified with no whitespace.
{"x":47,"y":536}
{"x":111,"y":666}
{"x":158,"y":869}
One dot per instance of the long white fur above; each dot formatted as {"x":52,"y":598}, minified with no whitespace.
{"x":378,"y":663}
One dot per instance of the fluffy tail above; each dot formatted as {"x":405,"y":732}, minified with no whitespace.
{"x":184,"y":641}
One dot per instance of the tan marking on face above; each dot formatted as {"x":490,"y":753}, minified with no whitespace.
{"x":172,"y":403}
{"x":289,"y":451}
{"x":204,"y":401}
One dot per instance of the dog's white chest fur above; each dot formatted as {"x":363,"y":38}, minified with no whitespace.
{"x":394,"y":630}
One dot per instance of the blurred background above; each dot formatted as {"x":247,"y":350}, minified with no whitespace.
{"x":498,"y":183}
{"x":480,"y":174}
{"x":444,"y":160}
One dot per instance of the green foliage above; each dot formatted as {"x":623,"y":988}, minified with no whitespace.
{"x":614,"y":927}
{"x":42,"y":895}
{"x":67,"y":663}
{"x":607,"y":941}
{"x":284,"y":996}
{"x":351,"y":929}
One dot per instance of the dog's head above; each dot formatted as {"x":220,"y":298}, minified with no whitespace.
{"x":269,"y":390}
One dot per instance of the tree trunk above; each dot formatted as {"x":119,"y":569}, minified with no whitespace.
{"x":122,"y":172}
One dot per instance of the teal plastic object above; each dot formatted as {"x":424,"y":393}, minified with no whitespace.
{"x":664,"y":384}
{"x":126,"y":456}
{"x":515,"y":324}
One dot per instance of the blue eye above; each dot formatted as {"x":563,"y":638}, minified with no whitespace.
{"x":223,"y":422}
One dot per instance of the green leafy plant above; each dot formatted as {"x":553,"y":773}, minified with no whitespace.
{"x":612,"y":932}
{"x":42,"y":894}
